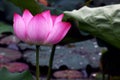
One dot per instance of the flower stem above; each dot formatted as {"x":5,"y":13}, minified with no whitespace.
{"x":37,"y":63}
{"x":51,"y":62}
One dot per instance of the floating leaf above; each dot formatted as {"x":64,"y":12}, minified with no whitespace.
{"x":6,"y":75}
{"x":74,"y":56}
{"x":12,"y":39}
{"x":44,"y":2}
{"x":7,"y":55}
{"x":15,"y":66}
{"x":102,"y":22}
{"x":68,"y":74}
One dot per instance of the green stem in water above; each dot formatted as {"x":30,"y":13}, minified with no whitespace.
{"x":37,"y":63}
{"x":51,"y":62}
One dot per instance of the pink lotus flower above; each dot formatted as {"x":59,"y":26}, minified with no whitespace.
{"x":42,"y":28}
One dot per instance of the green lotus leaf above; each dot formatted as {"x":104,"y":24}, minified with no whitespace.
{"x":5,"y":28}
{"x":6,"y":75}
{"x":102,"y":22}
{"x":32,"y":5}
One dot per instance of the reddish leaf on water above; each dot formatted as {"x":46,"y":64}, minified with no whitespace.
{"x":9,"y":40}
{"x":7,"y":55}
{"x":3,"y":59}
{"x":44,"y":2}
{"x":15,"y":66}
{"x":69,"y":74}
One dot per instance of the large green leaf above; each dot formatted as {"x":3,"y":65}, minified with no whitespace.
{"x":5,"y":28}
{"x":8,"y":10}
{"x":32,"y":5}
{"x":6,"y":75}
{"x":102,"y":22}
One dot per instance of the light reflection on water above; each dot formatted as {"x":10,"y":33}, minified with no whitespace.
{"x":75,"y":57}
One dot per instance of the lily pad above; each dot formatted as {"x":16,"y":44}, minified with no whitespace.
{"x":4,"y":59}
{"x":8,"y":55}
{"x":102,"y":22}
{"x":15,"y":66}
{"x":44,"y":2}
{"x":9,"y":40}
{"x":68,"y":74}
{"x":24,"y":46}
{"x":75,"y":57}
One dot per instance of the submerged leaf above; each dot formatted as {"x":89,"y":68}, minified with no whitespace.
{"x":102,"y":22}
{"x":66,"y":4}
